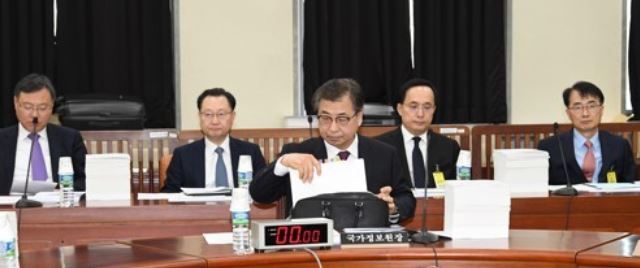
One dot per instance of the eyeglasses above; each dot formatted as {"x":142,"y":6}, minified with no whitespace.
{"x":415,"y":108}
{"x":591,"y":108}
{"x":211,"y":115}
{"x":29,"y":107}
{"x":341,"y":120}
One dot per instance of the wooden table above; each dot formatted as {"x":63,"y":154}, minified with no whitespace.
{"x":105,"y":255}
{"x":618,"y":253}
{"x":51,"y":227}
{"x":524,"y":248}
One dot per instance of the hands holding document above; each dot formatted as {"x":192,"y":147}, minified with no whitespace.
{"x":351,"y":178}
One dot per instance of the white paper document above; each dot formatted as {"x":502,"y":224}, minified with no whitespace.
{"x":108,"y":177}
{"x":431,"y":192}
{"x":9,"y":199}
{"x":341,"y":176}
{"x":157,"y":196}
{"x":207,"y":191}
{"x":34,"y":186}
{"x":54,"y":197}
{"x":199,"y":198}
{"x":218,"y":238}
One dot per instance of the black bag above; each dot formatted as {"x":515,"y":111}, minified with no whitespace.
{"x":101,"y":112}
{"x":348,"y":210}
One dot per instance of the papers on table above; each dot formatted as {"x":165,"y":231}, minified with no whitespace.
{"x":340,"y":176}
{"x":431,"y":192}
{"x":218,"y":238}
{"x":525,"y":171}
{"x":34,"y":186}
{"x":54,"y":197}
{"x":206,"y":191}
{"x":602,"y":187}
{"x":181,"y":197}
{"x":108,"y":177}
{"x":476,"y":209}
{"x":9,"y":199}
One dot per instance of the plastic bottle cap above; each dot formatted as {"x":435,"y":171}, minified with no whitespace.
{"x":244,"y":163}
{"x":239,"y":199}
{"x":65,"y":165}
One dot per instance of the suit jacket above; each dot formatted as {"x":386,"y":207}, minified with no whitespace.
{"x":441,"y":151}
{"x":187,"y":164}
{"x":382,"y":168}
{"x":616,"y":155}
{"x":63,"y":141}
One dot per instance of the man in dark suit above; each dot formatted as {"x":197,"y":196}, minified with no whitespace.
{"x":338,"y":104}
{"x":209,"y":161}
{"x":416,"y":108}
{"x":591,"y":154}
{"x":33,"y":98}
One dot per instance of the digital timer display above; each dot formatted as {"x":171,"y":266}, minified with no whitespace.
{"x":298,"y":234}
{"x":288,"y":234}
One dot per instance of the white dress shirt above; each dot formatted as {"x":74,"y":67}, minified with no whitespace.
{"x":211,"y":158}
{"x":22,"y":156}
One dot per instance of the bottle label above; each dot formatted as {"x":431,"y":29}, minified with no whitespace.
{"x":8,"y":248}
{"x":239,"y":218}
{"x":66,"y":180}
{"x":464,"y":172}
{"x":244,"y":177}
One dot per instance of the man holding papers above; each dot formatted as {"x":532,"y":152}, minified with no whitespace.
{"x":416,"y":107}
{"x":33,"y":101}
{"x":213,"y":160}
{"x":338,"y":104}
{"x":591,"y":155}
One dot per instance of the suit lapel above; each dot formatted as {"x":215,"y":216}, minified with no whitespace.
{"x":572,"y":163}
{"x":319,"y":149}
{"x":234,"y":147}
{"x":399,"y":144}
{"x":54,"y":150}
{"x":199,"y":162}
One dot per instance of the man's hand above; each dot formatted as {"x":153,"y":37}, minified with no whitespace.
{"x":385,"y":195}
{"x":303,"y":163}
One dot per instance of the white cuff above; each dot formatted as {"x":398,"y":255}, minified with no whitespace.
{"x":280,"y":170}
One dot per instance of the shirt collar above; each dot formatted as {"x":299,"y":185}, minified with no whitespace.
{"x":23,"y":133}
{"x":333,"y":151}
{"x":210,"y":146}
{"x":578,"y":139}
{"x":408,"y":137}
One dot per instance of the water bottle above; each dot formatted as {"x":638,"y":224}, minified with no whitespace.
{"x":245,"y":171}
{"x":240,"y":219}
{"x":463,"y":165}
{"x":7,"y":240}
{"x":65,"y":180}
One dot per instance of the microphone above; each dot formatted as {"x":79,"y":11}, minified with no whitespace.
{"x":24,"y":202}
{"x":568,"y":190}
{"x":424,"y":236}
{"x":310,"y":121}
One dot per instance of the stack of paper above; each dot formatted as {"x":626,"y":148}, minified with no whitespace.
{"x":476,"y":209}
{"x":108,"y":177}
{"x":524,"y":170}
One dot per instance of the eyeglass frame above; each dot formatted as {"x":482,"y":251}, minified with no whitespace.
{"x":30,"y":107}
{"x":219,"y":115}
{"x":427,"y":107}
{"x":589,"y":107}
{"x":344,"y":123}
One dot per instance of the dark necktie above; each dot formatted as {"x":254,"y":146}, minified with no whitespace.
{"x":419,"y":172}
{"x":38,"y":167}
{"x":221,"y":170}
{"x":589,"y":162}
{"x":344,"y":155}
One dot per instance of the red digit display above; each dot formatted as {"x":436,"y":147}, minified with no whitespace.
{"x":300,"y":234}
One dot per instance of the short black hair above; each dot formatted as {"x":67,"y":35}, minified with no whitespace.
{"x":336,"y":88}
{"x":217,"y":92}
{"x":584,"y":88}
{"x":34,"y":82}
{"x":416,"y":82}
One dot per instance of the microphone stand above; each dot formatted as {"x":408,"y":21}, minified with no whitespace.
{"x":24,"y":201}
{"x":568,"y":190}
{"x":310,"y":121}
{"x":424,"y":236}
